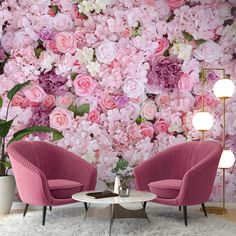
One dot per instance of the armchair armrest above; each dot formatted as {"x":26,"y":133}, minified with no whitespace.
{"x":80,"y":170}
{"x":198,"y":182}
{"x":31,"y":182}
{"x":153,"y":169}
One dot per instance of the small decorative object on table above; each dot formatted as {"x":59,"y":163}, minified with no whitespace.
{"x":124,"y":174}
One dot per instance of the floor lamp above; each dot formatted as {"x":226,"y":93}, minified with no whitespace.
{"x":223,"y":89}
{"x":202,"y":121}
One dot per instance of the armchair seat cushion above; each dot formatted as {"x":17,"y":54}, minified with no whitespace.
{"x":64,"y":188}
{"x":167,"y":188}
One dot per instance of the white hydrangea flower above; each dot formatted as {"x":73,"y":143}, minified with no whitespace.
{"x":93,"y":68}
{"x":182,"y":50}
{"x":85,"y":55}
{"x":87,"y":6}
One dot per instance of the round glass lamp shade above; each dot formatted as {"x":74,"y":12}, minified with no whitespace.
{"x":224,"y":88}
{"x":227,"y":159}
{"x":202,"y":121}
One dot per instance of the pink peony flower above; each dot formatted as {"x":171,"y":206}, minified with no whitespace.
{"x":60,"y":119}
{"x":106,"y":51}
{"x":65,"y":42}
{"x":208,"y":51}
{"x":173,"y":4}
{"x":146,"y":129}
{"x":162,"y":45}
{"x":161,"y":126}
{"x":149,"y":110}
{"x":185,"y":83}
{"x":134,"y":132}
{"x":34,"y":93}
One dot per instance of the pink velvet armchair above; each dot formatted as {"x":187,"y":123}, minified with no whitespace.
{"x":182,"y":175}
{"x":48,"y":175}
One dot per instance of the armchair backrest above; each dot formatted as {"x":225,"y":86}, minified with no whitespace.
{"x":42,"y":155}
{"x":183,"y":157}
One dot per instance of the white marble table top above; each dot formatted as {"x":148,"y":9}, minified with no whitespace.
{"x":134,"y":197}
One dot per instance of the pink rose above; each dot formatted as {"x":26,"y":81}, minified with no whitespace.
{"x":107,"y":102}
{"x":62,"y":22}
{"x":208,"y":51}
{"x":94,"y":116}
{"x":51,"y":45}
{"x":162,"y":100}
{"x":149,"y":110}
{"x":162,"y":45}
{"x":185,"y":83}
{"x":209,"y":100}
{"x":84,"y":85}
{"x":126,"y":33}
{"x":65,"y":42}
{"x":161,"y":126}
{"x":60,"y":118}
{"x":106,"y":51}
{"x":18,"y":101}
{"x":65,"y":101}
{"x":146,"y":129}
{"x":49,"y":101}
{"x":34,"y":93}
{"x":133,"y":88}
{"x":173,"y":4}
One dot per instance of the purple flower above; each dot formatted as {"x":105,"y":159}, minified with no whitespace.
{"x":53,"y":83}
{"x":165,"y":72}
{"x":212,"y":77}
{"x":40,"y":116}
{"x":46,"y":34}
{"x":2,"y":55}
{"x":120,"y":100}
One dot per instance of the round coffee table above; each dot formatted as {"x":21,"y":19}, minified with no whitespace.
{"x":114,"y":210}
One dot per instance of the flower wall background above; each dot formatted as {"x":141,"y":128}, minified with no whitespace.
{"x":119,"y":78}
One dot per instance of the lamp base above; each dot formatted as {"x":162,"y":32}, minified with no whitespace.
{"x":215,"y":210}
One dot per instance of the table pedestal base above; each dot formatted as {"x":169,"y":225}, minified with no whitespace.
{"x":116,"y":211}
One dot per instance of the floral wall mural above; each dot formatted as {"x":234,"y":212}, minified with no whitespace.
{"x":119,"y":78}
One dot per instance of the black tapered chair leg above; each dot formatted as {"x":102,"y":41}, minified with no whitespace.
{"x":185,"y":215}
{"x":85,"y":206}
{"x":179,"y":208}
{"x":44,"y":215}
{"x":50,"y":208}
{"x":204,"y":209}
{"x":26,"y":209}
{"x":144,"y":205}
